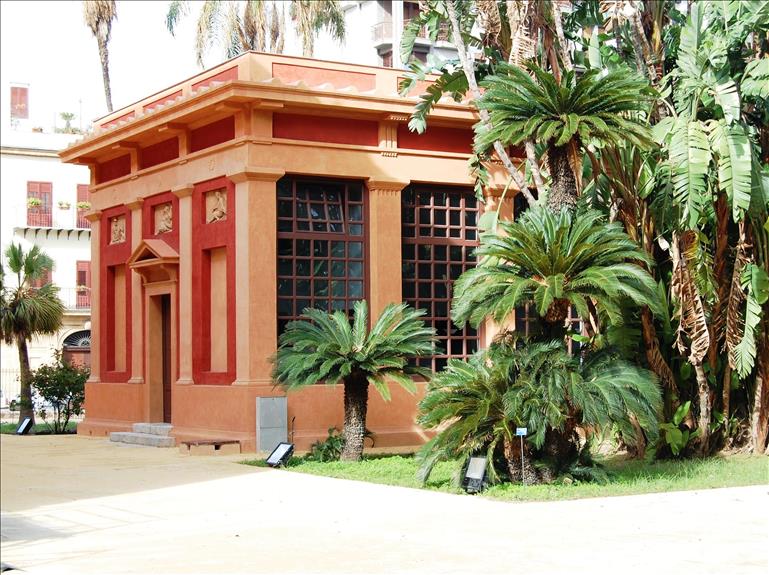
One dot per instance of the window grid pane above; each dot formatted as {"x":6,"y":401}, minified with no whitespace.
{"x":439,"y":236}
{"x":321,"y":247}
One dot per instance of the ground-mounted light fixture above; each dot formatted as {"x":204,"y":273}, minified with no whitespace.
{"x":280,"y":455}
{"x":24,"y":426}
{"x":474,"y":475}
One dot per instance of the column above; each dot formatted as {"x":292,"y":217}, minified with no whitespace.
{"x":184,"y":291}
{"x":255,"y":274}
{"x":384,"y":262}
{"x":397,"y":23}
{"x":95,"y":219}
{"x":137,"y":329}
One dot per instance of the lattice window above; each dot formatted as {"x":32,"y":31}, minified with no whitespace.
{"x":321,"y":246}
{"x":439,"y":236}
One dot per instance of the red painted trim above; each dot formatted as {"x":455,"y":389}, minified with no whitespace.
{"x":114,"y":122}
{"x":436,"y":138}
{"x":311,"y":76}
{"x":324,"y":129}
{"x":204,"y":238}
{"x":113,"y":169}
{"x":212,"y":134}
{"x":148,"y":219}
{"x":155,"y":154}
{"x":111,"y":256}
{"x":223,"y":76}
{"x":161,"y":101}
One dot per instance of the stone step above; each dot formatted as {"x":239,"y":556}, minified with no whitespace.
{"x":148,"y":439}
{"x":163,"y":429}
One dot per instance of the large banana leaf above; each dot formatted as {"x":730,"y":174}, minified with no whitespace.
{"x":732,"y":147}
{"x":689,"y":152}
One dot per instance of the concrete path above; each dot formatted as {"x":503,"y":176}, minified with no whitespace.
{"x":77,"y":505}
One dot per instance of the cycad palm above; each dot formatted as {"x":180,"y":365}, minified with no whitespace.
{"x":327,"y":347}
{"x":563,"y":116}
{"x":26,"y":311}
{"x":477,"y":405}
{"x":554,"y":261}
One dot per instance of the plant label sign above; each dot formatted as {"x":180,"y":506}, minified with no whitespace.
{"x":521,"y":431}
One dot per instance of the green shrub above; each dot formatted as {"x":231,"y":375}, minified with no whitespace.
{"x":330,"y":449}
{"x":62,"y":388}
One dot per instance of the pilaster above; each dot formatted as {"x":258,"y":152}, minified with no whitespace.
{"x":137,"y":333}
{"x":95,"y":219}
{"x":184,"y":292}
{"x":384,"y":244}
{"x":255,"y":274}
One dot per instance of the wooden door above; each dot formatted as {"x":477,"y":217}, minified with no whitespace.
{"x":165,"y":304}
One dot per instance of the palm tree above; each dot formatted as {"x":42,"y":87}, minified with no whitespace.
{"x":98,"y":15}
{"x":326,"y":347}
{"x":564,"y":116}
{"x":554,"y":261}
{"x":257,"y":24}
{"x":312,"y":16}
{"x":26,"y":311}
{"x":475,"y":406}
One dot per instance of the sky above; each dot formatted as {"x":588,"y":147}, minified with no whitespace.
{"x":48,"y":46}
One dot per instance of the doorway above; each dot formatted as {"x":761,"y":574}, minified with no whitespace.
{"x":165,"y":321}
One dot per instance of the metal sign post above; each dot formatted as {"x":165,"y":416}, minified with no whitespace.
{"x":521,"y":432}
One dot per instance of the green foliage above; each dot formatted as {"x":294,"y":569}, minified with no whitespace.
{"x":543,"y":257}
{"x":326,"y":347}
{"x":62,"y":386}
{"x":755,"y":282}
{"x":330,"y":448}
{"x":475,"y":406}
{"x":591,"y":108}
{"x":675,"y":434}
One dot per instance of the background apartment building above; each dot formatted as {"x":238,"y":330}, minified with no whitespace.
{"x":42,"y":201}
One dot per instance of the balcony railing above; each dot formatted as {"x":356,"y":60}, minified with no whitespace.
{"x":39,"y":217}
{"x":76,"y":298}
{"x":383,"y":31}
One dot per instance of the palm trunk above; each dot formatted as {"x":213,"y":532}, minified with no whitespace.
{"x":355,"y":406}
{"x":26,"y":408}
{"x":563,"y":189}
{"x":654,"y":356}
{"x":703,"y":420}
{"x":527,"y":474}
{"x":104,"y":55}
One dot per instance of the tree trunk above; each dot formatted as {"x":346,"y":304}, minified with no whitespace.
{"x":703,"y":420}
{"x":654,"y":356}
{"x":759,"y":418}
{"x":104,"y":55}
{"x":563,"y":188}
{"x":468,"y":69}
{"x":355,"y":406}
{"x":527,"y":474}
{"x":26,"y":408}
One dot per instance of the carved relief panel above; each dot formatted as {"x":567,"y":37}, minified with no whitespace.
{"x":216,"y":206}
{"x":117,"y":230}
{"x":164,"y":218}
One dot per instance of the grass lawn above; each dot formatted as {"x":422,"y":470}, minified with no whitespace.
{"x":625,"y":477}
{"x":38,"y":429}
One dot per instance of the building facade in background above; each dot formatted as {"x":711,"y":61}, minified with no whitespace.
{"x":43,"y":201}
{"x":225,"y":205}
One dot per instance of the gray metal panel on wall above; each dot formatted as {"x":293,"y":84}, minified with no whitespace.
{"x":271,"y":422}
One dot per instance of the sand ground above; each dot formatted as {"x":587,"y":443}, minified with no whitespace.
{"x":78,"y":505}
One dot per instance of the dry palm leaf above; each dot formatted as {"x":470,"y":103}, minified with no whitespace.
{"x":692,"y":325}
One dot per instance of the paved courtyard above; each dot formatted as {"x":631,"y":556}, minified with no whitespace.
{"x":78,"y":505}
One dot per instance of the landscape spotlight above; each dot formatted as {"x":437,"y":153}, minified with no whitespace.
{"x":475,"y":474}
{"x":280,"y":455}
{"x":24,"y":426}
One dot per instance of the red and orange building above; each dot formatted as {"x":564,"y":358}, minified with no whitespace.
{"x":224,"y":205}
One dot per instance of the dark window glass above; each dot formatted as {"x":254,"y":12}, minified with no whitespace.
{"x":439,"y":236}
{"x":321,"y":246}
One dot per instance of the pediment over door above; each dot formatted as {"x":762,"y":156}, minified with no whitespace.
{"x":155,"y":261}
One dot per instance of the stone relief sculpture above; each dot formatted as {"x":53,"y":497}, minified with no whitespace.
{"x":164,"y":219}
{"x":117,"y":230}
{"x":216,"y":204}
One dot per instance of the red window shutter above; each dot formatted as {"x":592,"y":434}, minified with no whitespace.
{"x":83,"y":284}
{"x":19,"y":102}
{"x":40,"y":216}
{"x":82,"y":192}
{"x":42,"y":280}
